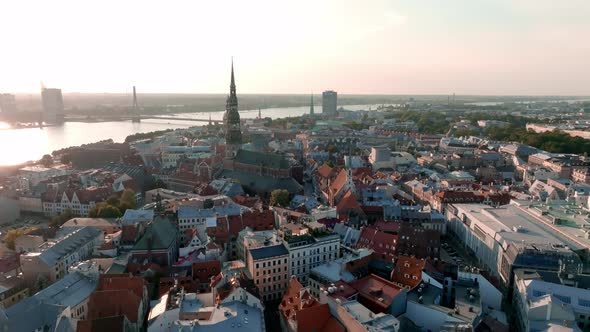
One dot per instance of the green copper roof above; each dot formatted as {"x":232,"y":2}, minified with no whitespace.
{"x":159,"y":235}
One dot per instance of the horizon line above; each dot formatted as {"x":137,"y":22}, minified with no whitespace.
{"x":307,"y":94}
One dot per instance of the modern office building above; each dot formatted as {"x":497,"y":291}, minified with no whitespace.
{"x":520,"y":235}
{"x":53,"y":105}
{"x":329,"y":103}
{"x":7,"y":103}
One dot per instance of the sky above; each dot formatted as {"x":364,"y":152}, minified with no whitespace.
{"x":476,"y":47}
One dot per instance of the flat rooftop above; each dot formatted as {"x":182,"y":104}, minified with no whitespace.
{"x":466,"y":308}
{"x":233,"y":316}
{"x":516,"y":224}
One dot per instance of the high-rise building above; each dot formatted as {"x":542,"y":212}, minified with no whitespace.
{"x":329,"y":102}
{"x":53,"y":105}
{"x":311,"y":111}
{"x":231,"y":118}
{"x":7,"y":103}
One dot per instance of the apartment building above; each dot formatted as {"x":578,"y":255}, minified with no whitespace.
{"x":53,"y":259}
{"x":307,"y":252}
{"x":269,"y":268}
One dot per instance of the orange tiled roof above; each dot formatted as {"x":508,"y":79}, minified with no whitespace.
{"x":348,"y":202}
{"x":408,"y":271}
{"x":317,"y":318}
{"x":324,"y":171}
{"x":339,"y":181}
{"x":295,"y":299}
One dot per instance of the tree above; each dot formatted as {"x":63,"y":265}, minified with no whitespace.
{"x":105,"y":210}
{"x":41,"y":282}
{"x":128,"y":196}
{"x":208,"y":203}
{"x":66,"y":158}
{"x":109,"y":211}
{"x":279,"y":197}
{"x":46,"y":160}
{"x":127,"y":201}
{"x":13,"y":234}
{"x":332,"y":148}
{"x":113,"y":200}
{"x":160,"y":184}
{"x":61,"y":218}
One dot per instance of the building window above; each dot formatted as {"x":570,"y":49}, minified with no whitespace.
{"x":564,"y":299}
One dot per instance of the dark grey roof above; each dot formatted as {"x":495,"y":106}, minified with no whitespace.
{"x":161,"y":234}
{"x":268,"y":252}
{"x":271,"y":160}
{"x":263,"y":184}
{"x":78,"y":237}
{"x":42,"y":309}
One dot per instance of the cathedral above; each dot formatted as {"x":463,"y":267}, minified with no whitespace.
{"x":257,"y":172}
{"x":231,"y":120}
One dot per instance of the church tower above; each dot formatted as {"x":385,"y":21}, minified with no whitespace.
{"x":233,"y":133}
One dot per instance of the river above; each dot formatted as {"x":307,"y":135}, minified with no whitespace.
{"x":26,"y":144}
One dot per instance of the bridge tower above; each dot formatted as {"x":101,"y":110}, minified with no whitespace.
{"x":136,"y":116}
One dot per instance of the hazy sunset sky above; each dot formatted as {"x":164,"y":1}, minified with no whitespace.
{"x":370,"y":47}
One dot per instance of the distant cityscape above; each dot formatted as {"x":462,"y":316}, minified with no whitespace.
{"x":415,"y":215}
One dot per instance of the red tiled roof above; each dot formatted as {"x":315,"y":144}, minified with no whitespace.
{"x":380,"y":242}
{"x":203,"y":271}
{"x":129,"y":233}
{"x":408,"y":271}
{"x":362,"y":171}
{"x":318,"y":319}
{"x":388,"y":226}
{"x":324,"y":171}
{"x":187,"y":283}
{"x":108,"y":303}
{"x":206,"y":190}
{"x":376,"y":293}
{"x":455,"y":196}
{"x":251,"y":202}
{"x":111,"y":324}
{"x":259,"y":220}
{"x":296,"y":298}
{"x":339,"y":182}
{"x":93,"y":194}
{"x":348,"y":203}
{"x":343,"y":290}
{"x":122,"y":281}
{"x":9,"y":263}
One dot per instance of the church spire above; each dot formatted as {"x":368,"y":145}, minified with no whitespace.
{"x":233,"y":133}
{"x":232,"y":85}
